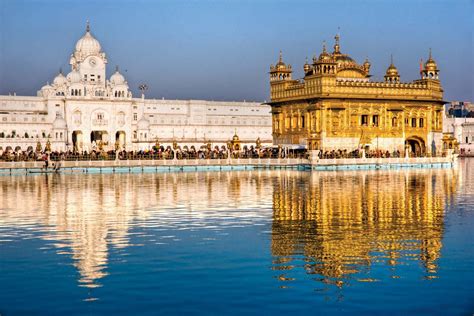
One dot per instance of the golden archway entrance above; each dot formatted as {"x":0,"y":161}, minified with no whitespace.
{"x":415,"y":146}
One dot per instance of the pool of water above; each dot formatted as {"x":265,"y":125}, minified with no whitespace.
{"x":239,"y":242}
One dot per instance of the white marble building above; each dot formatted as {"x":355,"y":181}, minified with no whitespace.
{"x":79,"y":109}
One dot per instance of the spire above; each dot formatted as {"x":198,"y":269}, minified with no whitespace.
{"x":336,"y":45}
{"x":281,"y":57}
{"x":116,"y":68}
{"x":88,"y":28}
{"x":324,"y":46}
{"x":391,"y":59}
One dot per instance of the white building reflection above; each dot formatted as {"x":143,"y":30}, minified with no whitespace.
{"x":91,"y":214}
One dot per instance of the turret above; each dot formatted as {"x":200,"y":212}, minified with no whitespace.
{"x":430,"y":70}
{"x":392,"y":75}
{"x":325,"y":63}
{"x":280,"y":71}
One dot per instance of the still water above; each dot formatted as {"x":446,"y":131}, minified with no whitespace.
{"x":253,"y":242}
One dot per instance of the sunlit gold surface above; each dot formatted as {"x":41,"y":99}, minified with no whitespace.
{"x":324,"y":109}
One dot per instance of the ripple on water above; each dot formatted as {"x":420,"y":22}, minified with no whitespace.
{"x":205,"y":239}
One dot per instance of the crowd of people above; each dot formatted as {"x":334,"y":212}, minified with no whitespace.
{"x":204,"y":152}
{"x":185,"y":152}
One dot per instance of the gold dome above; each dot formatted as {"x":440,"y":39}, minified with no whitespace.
{"x":430,"y":64}
{"x":324,"y":56}
{"x":392,"y":70}
{"x":280,"y":63}
{"x":306,"y":66}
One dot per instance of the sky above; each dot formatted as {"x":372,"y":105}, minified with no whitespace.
{"x":222,"y":50}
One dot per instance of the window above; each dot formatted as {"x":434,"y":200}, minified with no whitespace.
{"x":100,"y":116}
{"x":364,"y":120}
{"x":302,"y":121}
{"x":85,"y":77}
{"x":394,"y":122}
{"x":375,"y":120}
{"x":135,"y":116}
{"x":422,"y":122}
{"x":413,"y":122}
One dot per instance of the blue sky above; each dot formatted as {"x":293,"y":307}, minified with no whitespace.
{"x":222,"y":50}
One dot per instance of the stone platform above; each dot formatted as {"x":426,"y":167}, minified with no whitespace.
{"x":124,"y":166}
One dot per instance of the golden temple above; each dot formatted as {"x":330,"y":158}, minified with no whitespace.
{"x":336,"y":106}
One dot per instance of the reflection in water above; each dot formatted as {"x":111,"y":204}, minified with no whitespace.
{"x":342,"y":223}
{"x":89,"y":214}
{"x":339,"y":223}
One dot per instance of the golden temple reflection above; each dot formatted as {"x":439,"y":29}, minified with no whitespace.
{"x":91,"y":214}
{"x":344,"y":222}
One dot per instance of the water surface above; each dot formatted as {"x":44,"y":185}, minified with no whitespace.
{"x":250,"y":242}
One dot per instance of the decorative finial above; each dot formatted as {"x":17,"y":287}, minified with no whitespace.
{"x":306,"y":60}
{"x":116,"y":68}
{"x":324,"y":46}
{"x":336,"y":45}
{"x":88,"y":28}
{"x":281,"y":57}
{"x":61,"y":70}
{"x":430,"y":53}
{"x":391,"y":59}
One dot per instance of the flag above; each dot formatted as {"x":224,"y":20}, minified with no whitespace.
{"x":421,"y":67}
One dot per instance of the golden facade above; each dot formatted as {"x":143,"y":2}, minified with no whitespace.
{"x":337,"y":106}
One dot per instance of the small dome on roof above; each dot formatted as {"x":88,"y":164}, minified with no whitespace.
{"x":60,"y":79}
{"x":74,"y":76}
{"x":117,"y":78}
{"x":392,"y":70}
{"x":46,"y":87}
{"x":430,"y":64}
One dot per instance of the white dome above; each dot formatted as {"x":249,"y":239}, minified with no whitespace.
{"x":60,"y":79}
{"x":88,"y":45}
{"x":59,"y":123}
{"x":74,"y":76}
{"x":117,"y":78}
{"x":143,"y":123}
{"x":46,"y":87}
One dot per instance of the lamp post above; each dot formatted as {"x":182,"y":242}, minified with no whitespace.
{"x":143,"y":87}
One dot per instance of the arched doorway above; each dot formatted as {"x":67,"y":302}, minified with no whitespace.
{"x":416,"y":146}
{"x":77,"y":141}
{"x":120,"y":139}
{"x":99,"y":138}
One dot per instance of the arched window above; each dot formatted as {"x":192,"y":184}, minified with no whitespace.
{"x":394,"y":122}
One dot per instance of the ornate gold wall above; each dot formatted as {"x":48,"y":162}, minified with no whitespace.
{"x":336,"y":106}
